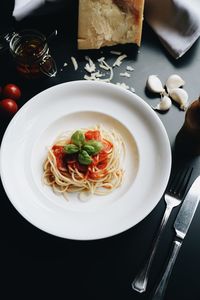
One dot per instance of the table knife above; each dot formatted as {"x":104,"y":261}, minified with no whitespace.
{"x":181,"y":226}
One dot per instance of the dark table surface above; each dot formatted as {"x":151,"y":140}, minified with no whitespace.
{"x":35,"y":264}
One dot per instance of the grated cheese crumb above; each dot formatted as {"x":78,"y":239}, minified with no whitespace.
{"x":91,"y":77}
{"x":132,"y":90}
{"x":129,"y":68}
{"x":119,"y":60}
{"x":115,"y":52}
{"x":101,"y":59}
{"x":103,"y":67}
{"x":94,"y":76}
{"x":125,"y":74}
{"x":73,"y":59}
{"x":98,"y":75}
{"x":90,"y":66}
{"x":103,"y":64}
{"x":123,"y":85}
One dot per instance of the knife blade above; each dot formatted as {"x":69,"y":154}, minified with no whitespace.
{"x":187,"y":210}
{"x":181,"y":226}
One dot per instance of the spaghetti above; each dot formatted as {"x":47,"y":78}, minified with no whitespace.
{"x":88,"y":160}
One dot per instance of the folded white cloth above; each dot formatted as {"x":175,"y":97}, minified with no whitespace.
{"x":25,"y":7}
{"x":176,"y":22}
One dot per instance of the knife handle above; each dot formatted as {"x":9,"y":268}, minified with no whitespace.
{"x":161,"y":288}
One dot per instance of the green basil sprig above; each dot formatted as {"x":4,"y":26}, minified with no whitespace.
{"x":84,"y":158}
{"x":92,"y":147}
{"x":78,"y":138}
{"x":71,"y":149}
{"x":83,"y":149}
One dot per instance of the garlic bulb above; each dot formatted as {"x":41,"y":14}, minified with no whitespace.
{"x":180,"y":96}
{"x":174,"y":81}
{"x":154,"y":84}
{"x":164,"y":104}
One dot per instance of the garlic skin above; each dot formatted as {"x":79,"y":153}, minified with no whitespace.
{"x":180,"y":96}
{"x":154,"y":84}
{"x":174,"y":81}
{"x":164,"y":104}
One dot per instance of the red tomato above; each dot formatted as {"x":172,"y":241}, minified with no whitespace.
{"x":11,"y":91}
{"x":102,"y":164}
{"x":8,"y":106}
{"x":57,"y":149}
{"x":100,"y":160}
{"x":59,"y":154}
{"x":93,"y":135}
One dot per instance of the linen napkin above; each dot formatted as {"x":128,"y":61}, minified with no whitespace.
{"x":176,"y":22}
{"x":23,"y":8}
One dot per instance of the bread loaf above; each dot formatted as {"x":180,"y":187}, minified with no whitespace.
{"x":109,"y":22}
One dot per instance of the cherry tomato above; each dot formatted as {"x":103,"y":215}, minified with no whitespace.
{"x":8,"y":106}
{"x":93,"y":135}
{"x":11,"y":91}
{"x":59,"y":154}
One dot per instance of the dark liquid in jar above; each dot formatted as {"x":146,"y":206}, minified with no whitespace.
{"x":30,"y":53}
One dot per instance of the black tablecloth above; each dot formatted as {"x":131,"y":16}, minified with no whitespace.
{"x":37,"y":265}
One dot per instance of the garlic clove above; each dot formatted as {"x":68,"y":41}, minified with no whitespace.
{"x":164,"y":104}
{"x":180,"y":96}
{"x":174,"y":81}
{"x":154,"y":84}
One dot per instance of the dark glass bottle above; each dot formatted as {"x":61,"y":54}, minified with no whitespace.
{"x":188,"y":138}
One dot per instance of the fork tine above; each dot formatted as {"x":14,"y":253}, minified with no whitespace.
{"x":173,"y":181}
{"x":178,"y":183}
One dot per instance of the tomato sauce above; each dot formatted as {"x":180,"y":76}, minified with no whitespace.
{"x":96,"y":169}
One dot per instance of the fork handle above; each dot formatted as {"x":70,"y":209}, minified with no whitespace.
{"x":161,"y":288}
{"x":139,"y":284}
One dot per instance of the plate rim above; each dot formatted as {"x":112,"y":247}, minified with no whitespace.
{"x":37,"y":98}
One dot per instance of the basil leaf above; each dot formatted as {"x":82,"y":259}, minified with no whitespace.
{"x":71,"y":148}
{"x":78,"y":138}
{"x":90,"y":149}
{"x":84,"y":158}
{"x":93,"y":146}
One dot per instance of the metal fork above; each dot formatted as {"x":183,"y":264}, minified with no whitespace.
{"x":173,"y":196}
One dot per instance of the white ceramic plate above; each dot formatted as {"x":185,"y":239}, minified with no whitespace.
{"x":71,"y":106}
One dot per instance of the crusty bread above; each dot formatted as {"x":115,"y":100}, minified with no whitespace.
{"x":109,"y":22}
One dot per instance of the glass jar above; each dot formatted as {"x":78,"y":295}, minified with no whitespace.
{"x":30,"y":51}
